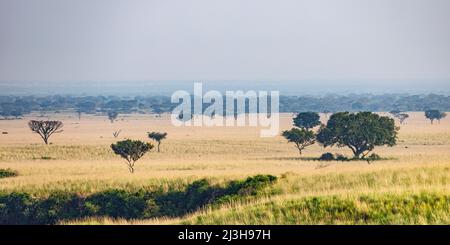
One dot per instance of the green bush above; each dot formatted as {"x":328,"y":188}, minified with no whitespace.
{"x":58,"y":206}
{"x":21,"y":208}
{"x":16,"y":208}
{"x":373,"y":157}
{"x":327,"y":157}
{"x":4,"y":173}
{"x":340,"y":157}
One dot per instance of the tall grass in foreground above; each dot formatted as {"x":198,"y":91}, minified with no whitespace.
{"x":420,"y":208}
{"x":424,"y":208}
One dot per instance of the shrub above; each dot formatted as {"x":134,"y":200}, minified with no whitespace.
{"x":15,"y":208}
{"x":327,"y":157}
{"x":340,"y":157}
{"x":117,"y":203}
{"x":58,"y":206}
{"x":21,"y":208}
{"x":373,"y":157}
{"x":4,"y":173}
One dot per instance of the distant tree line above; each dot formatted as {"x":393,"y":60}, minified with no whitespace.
{"x":17,"y":106}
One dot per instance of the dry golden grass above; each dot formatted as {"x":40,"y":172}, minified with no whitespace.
{"x":80,"y":160}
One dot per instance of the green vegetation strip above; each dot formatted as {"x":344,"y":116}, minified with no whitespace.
{"x":22,"y":208}
{"x":5,"y":173}
{"x":424,"y":208}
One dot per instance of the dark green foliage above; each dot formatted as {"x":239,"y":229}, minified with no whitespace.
{"x":373,"y":157}
{"x":131,"y":151}
{"x":58,"y":206}
{"x":4,"y":173}
{"x":435,"y":115}
{"x":21,"y":208}
{"x":200,"y":193}
{"x":360,"y":132}
{"x":14,"y":105}
{"x":16,"y":208}
{"x":251,"y":185}
{"x":307,"y":120}
{"x":117,"y":203}
{"x":300,"y":137}
{"x":156,"y":136}
{"x":327,"y":157}
{"x":340,"y":157}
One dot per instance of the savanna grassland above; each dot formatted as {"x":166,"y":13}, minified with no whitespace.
{"x":410,"y":186}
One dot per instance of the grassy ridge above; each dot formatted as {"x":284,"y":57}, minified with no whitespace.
{"x":423,"y":208}
{"x":22,"y":208}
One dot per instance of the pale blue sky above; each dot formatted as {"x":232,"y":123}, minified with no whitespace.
{"x":371,"y":42}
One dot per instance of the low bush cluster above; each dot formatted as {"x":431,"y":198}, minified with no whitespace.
{"x":22,"y":208}
{"x":339,"y":157}
{"x":4,"y":173}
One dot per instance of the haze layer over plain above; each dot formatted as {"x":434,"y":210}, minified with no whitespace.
{"x":381,"y":44}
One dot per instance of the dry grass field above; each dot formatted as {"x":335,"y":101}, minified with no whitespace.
{"x":80,"y":160}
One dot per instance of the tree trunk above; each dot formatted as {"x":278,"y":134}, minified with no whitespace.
{"x":158,"y":145}
{"x":299,"y":148}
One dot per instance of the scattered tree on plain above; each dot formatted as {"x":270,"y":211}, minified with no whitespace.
{"x":360,"y":132}
{"x":399,"y":115}
{"x":303,"y":136}
{"x":45,"y":128}
{"x":112,"y":116}
{"x":117,"y":133}
{"x":131,"y":151}
{"x":157,"y":136}
{"x":435,"y":115}
{"x":402,"y":117}
{"x":300,"y":137}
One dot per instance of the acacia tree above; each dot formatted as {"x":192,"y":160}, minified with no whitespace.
{"x":45,"y":128}
{"x":112,"y":116}
{"x":360,"y":132}
{"x":131,"y":151}
{"x":300,"y":137}
{"x":158,"y":137}
{"x":399,"y":115}
{"x":402,"y":117}
{"x":303,"y":136}
{"x":307,"y":120}
{"x":435,"y":115}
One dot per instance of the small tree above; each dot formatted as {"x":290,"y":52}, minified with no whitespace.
{"x":307,"y":120}
{"x":131,"y":151}
{"x":399,"y":115}
{"x":360,"y":132}
{"x":435,"y":115}
{"x":79,"y":114}
{"x":158,"y":137}
{"x":117,"y":133}
{"x":402,"y":117}
{"x":45,"y":128}
{"x":300,"y":137}
{"x":112,"y":116}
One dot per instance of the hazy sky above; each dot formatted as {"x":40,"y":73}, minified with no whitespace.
{"x":372,"y":41}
